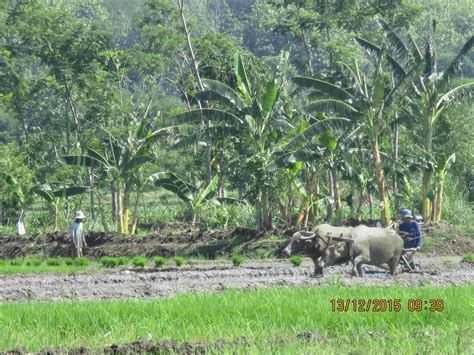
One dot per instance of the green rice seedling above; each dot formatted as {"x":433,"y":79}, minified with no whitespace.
{"x":122,"y":260}
{"x":468,"y":257}
{"x":69,"y":261}
{"x":237,"y":260}
{"x":296,"y":260}
{"x":139,"y":261}
{"x":81,"y":262}
{"x":159,"y":261}
{"x":54,"y":262}
{"x":16,"y":262}
{"x":179,"y":260}
{"x":33,"y":262}
{"x":107,"y":261}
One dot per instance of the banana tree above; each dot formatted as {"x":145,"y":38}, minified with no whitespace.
{"x":55,"y":197}
{"x":191,"y":195}
{"x":440,"y":175}
{"x":13,"y":191}
{"x":122,"y":161}
{"x":248,"y":115}
{"x":369,"y":103}
{"x":431,"y":93}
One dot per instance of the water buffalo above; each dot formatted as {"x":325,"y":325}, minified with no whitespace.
{"x":315,"y":242}
{"x":367,"y":245}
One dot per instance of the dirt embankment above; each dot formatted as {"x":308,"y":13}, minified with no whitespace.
{"x":170,"y":239}
{"x":167,"y":240}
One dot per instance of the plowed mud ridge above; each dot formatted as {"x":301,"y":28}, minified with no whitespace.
{"x":214,"y":276}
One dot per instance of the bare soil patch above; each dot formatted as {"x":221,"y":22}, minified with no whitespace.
{"x":219,"y":275}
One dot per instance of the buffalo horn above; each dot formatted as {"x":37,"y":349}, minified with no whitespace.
{"x":307,"y":235}
{"x":342,"y":239}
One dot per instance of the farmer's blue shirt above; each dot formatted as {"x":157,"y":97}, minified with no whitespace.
{"x":414,"y":229}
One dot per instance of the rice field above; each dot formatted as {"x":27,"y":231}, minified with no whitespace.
{"x":277,"y":320}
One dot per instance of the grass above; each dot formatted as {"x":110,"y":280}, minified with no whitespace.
{"x":296,"y":260}
{"x":271,"y":319}
{"x":237,"y":260}
{"x":159,"y":261}
{"x":179,"y":261}
{"x":108,"y":262}
{"x":139,"y":261}
{"x":468,"y":257}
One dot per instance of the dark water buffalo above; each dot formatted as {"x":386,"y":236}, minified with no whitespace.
{"x":366,"y":245}
{"x":314,"y":244}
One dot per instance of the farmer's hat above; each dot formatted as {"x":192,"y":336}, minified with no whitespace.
{"x":79,"y":215}
{"x":406,"y":213}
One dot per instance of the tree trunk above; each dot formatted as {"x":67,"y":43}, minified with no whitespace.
{"x":330,"y":209}
{"x":126,"y":208}
{"x":396,"y":130}
{"x":103,"y":219}
{"x":384,"y":200}
{"x":91,"y":182}
{"x":337,"y":197}
{"x":439,"y":202}
{"x":266,"y":210}
{"x":426,"y":202}
{"x":119,"y":210}
{"x":114,"y":201}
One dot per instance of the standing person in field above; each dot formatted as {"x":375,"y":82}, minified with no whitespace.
{"x":413,"y":237}
{"x":77,"y":233}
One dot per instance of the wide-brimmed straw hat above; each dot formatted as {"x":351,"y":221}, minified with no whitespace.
{"x":79,"y":215}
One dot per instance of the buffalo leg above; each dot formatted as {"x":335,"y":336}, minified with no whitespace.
{"x":358,"y":262}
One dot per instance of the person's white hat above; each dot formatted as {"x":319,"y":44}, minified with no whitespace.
{"x":79,"y":215}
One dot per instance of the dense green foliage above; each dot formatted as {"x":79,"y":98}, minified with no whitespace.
{"x":104,"y":105}
{"x":272,"y":320}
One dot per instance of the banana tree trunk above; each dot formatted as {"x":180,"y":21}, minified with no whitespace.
{"x":119,"y":210}
{"x":337,"y":197}
{"x":266,"y":210}
{"x":91,"y":183}
{"x":126,"y":208}
{"x":426,"y":206}
{"x":103,"y":220}
{"x":113,"y":193}
{"x":135,"y":212}
{"x":330,"y":209}
{"x":384,"y":200}
{"x":438,"y":202}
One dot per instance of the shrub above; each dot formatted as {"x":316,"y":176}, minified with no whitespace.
{"x":179,"y":260}
{"x":159,"y":261}
{"x":296,"y":260}
{"x":81,"y":262}
{"x":107,"y":261}
{"x":16,"y":262}
{"x":139,"y":261}
{"x":2,"y":262}
{"x":237,"y":260}
{"x":122,"y":260}
{"x":33,"y":262}
{"x":69,"y":261}
{"x":54,"y":262}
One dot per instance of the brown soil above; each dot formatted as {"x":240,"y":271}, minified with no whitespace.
{"x":167,"y":240}
{"x":170,"y":239}
{"x":219,"y":275}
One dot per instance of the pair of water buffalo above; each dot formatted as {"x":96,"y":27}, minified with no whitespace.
{"x":327,"y":245}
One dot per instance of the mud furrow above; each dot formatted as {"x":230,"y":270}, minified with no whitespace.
{"x":216,"y":276}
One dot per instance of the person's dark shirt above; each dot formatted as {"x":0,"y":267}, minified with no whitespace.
{"x":414,"y":230}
